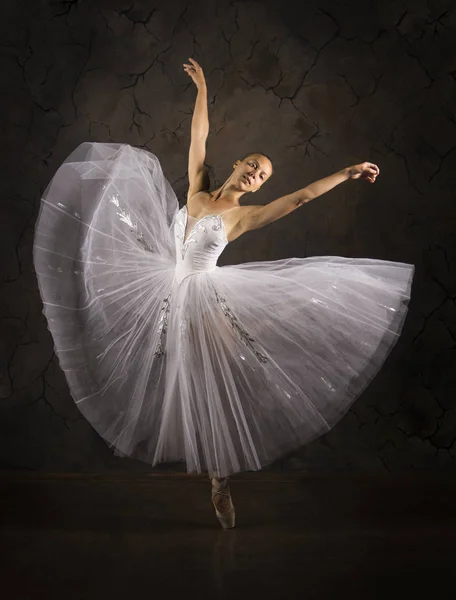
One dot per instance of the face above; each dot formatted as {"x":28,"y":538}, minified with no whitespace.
{"x":252,"y":172}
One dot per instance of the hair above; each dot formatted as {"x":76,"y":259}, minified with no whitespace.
{"x":262,"y":154}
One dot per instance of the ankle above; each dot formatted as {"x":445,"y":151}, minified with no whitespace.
{"x":220,"y":481}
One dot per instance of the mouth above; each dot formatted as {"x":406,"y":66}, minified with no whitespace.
{"x":246,"y":179}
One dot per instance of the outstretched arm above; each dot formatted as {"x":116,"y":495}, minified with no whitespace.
{"x":255,"y":217}
{"x":199,"y":132}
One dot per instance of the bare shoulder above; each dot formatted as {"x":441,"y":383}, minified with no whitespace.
{"x":256,"y":216}
{"x":249,"y":217}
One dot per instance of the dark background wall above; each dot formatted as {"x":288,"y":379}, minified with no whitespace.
{"x":316,"y":85}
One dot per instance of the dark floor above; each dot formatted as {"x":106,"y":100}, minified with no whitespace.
{"x":298,"y":536}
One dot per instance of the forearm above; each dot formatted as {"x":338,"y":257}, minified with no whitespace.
{"x":200,"y":120}
{"x":258,"y":216}
{"x":322,"y":186}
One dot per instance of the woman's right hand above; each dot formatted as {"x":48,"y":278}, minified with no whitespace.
{"x":365,"y":170}
{"x":195,"y":72}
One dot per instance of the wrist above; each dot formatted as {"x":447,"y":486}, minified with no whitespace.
{"x":202,"y":87}
{"x":347,"y":173}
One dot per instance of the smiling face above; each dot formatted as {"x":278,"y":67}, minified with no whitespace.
{"x":252,"y":172}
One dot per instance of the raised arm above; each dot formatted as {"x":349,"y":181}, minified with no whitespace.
{"x":197,"y":175}
{"x":254,"y":217}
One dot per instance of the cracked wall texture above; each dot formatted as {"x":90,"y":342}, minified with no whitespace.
{"x":317,"y":86}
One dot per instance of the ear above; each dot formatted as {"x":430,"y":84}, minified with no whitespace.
{"x":236,"y":163}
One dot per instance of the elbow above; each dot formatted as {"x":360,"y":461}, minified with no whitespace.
{"x":303,"y":198}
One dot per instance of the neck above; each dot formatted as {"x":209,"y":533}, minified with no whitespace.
{"x":228,"y":192}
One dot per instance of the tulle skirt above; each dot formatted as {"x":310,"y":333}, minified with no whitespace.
{"x":226,"y":370}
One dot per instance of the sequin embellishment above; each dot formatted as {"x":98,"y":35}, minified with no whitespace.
{"x":184,"y":327}
{"x":218,"y":224}
{"x":185,"y":334}
{"x":190,"y":239}
{"x":246,"y":338}
{"x":199,"y":226}
{"x":163,"y":326}
{"x":126,"y":218}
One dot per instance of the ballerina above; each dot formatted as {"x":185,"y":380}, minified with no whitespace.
{"x":171,"y":357}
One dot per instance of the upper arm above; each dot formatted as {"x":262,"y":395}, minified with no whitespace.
{"x":197,"y":174}
{"x":255,"y":217}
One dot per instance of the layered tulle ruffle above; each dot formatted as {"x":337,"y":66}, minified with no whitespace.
{"x":227,"y":369}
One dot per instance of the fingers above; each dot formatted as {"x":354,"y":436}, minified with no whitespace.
{"x":194,"y":71}
{"x":372,"y":168}
{"x":191,"y":69}
{"x":370,"y":171}
{"x":194,"y":66}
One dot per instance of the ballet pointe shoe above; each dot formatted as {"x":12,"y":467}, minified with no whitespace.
{"x":227,"y":517}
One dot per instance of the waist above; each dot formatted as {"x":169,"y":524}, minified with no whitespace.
{"x":181,"y":271}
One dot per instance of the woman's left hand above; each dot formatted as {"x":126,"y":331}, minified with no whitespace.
{"x":365,"y":170}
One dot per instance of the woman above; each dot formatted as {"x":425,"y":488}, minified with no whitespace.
{"x":173,"y":358}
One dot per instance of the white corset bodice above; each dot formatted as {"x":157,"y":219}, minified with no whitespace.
{"x":199,"y":242}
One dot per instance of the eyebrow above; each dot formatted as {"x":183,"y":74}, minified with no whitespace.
{"x":258,"y":164}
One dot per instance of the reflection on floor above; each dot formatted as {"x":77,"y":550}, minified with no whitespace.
{"x":303,"y":536}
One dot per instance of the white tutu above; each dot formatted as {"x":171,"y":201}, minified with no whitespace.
{"x":173,"y":358}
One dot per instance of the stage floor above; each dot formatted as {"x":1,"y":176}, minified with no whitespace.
{"x":303,"y":536}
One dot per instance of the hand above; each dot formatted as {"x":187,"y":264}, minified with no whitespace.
{"x":195,"y":72}
{"x":365,"y":170}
